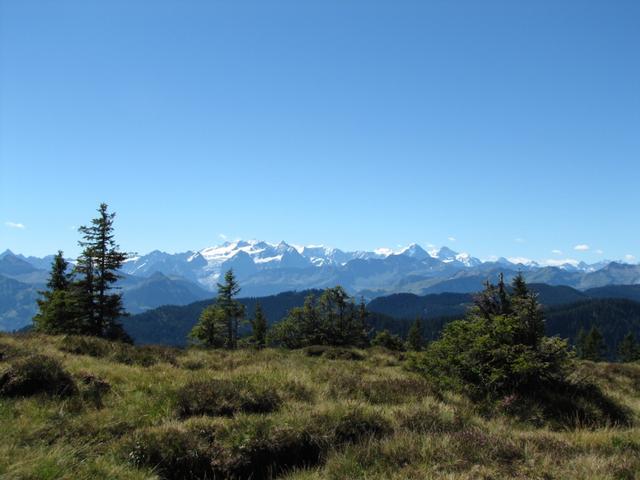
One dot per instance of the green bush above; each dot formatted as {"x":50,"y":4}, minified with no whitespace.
{"x":499,"y":356}
{"x":173,"y":453}
{"x":567,"y":404}
{"x":332,"y":353}
{"x":499,"y":349}
{"x":430,"y":419}
{"x":264,"y":450}
{"x":388,"y":340}
{"x":350,"y":426}
{"x":36,"y":374}
{"x":226,"y":397}
{"x":145,"y":356}
{"x":92,"y":346}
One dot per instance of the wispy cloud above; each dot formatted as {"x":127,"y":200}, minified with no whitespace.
{"x":452,"y":239}
{"x":582,"y":247}
{"x":556,"y":252}
{"x":630,"y":258}
{"x":19,"y":226}
{"x":599,"y":252}
{"x":519,"y":240}
{"x":222,"y":236}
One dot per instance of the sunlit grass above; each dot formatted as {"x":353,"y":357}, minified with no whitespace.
{"x":335,"y":419}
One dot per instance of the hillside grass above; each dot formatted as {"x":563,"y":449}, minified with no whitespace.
{"x":141,"y":413}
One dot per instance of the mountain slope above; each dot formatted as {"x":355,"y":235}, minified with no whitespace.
{"x":17,"y":304}
{"x":614,"y":317}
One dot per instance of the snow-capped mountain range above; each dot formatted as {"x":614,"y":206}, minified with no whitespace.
{"x":266,"y":268}
{"x":263,"y":268}
{"x":248,"y":257}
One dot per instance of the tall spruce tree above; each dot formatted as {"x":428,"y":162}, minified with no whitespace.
{"x":259,"y":327}
{"x":415,"y":339}
{"x":233,"y":310}
{"x":57,"y":309}
{"x":98,"y":266}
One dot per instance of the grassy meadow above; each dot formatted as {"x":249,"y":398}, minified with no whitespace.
{"x":114,"y":411}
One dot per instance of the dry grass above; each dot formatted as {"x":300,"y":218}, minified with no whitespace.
{"x":328,"y":418}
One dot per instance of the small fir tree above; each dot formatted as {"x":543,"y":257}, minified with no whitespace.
{"x":593,"y":347}
{"x":57,"y":310}
{"x":233,"y":310}
{"x":259,"y":327}
{"x":415,"y":339}
{"x":211,"y":329}
{"x":628,"y":349}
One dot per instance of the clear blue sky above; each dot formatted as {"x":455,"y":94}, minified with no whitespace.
{"x":513,"y":127}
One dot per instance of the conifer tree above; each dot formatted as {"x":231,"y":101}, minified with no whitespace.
{"x":57,"y":310}
{"x":361,"y":327}
{"x":211,"y":329}
{"x":333,"y":319}
{"x":233,"y":310}
{"x":415,"y":340}
{"x":593,"y":347}
{"x":259,"y":327}
{"x":628,"y":349}
{"x":98,"y":267}
{"x":519,"y":285}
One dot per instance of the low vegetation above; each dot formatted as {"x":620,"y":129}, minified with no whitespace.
{"x":70,"y":408}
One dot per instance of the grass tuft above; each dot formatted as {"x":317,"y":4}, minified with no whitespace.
{"x":226,"y":397}
{"x":36,"y":374}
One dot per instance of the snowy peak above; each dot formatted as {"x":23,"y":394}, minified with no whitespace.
{"x":414,"y":251}
{"x":445,"y":254}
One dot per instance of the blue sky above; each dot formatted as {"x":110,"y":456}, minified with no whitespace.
{"x":513,"y":127}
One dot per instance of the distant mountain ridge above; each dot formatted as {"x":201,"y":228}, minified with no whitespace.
{"x":265,"y":269}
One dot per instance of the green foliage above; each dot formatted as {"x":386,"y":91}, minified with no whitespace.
{"x":591,"y":346}
{"x":211,"y":329}
{"x":36,"y":374}
{"x":354,"y":425}
{"x":97,"y":266}
{"x":333,"y":353}
{"x":85,"y":302}
{"x":628,"y":349}
{"x":226,"y":397}
{"x":415,"y":340}
{"x":259,"y":327}
{"x":145,"y":356}
{"x":57,"y":309}
{"x":498,"y":350}
{"x":232,"y":309}
{"x":331,"y":319}
{"x":173,"y":452}
{"x":218,"y":324}
{"x":388,"y":340}
{"x":336,"y":419}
